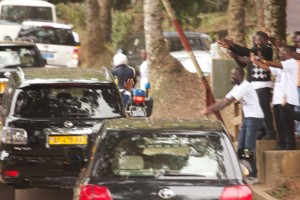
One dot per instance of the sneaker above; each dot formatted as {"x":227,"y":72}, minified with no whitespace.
{"x":251,"y":180}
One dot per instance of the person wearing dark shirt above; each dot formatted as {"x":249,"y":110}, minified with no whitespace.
{"x":259,"y":78}
{"x":124,"y":75}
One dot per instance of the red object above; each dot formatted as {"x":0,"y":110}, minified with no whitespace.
{"x":11,"y":173}
{"x":138,"y":99}
{"x":94,"y":192}
{"x":239,"y":192}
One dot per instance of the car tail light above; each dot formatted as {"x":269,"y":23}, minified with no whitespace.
{"x":75,"y":54}
{"x":94,"y":192}
{"x":138,"y":99}
{"x":13,"y":136}
{"x":11,"y":173}
{"x":239,"y":192}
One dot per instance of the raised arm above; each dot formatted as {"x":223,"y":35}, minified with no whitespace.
{"x":258,"y":63}
{"x":217,"y":106}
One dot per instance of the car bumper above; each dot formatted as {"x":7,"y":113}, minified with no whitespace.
{"x":40,"y":172}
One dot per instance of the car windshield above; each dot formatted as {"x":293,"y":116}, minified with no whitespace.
{"x":67,"y":102}
{"x":18,"y":56}
{"x":161,"y":155}
{"x":47,"y":35}
{"x":15,"y":14}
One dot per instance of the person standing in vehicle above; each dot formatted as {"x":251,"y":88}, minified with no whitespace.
{"x":259,"y":78}
{"x":244,"y":92}
{"x":123,"y":74}
{"x":143,"y":70}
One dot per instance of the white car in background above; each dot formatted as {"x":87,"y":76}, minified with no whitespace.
{"x":54,"y":40}
{"x":199,"y":44}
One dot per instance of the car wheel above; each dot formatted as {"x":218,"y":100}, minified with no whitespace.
{"x":7,"y":192}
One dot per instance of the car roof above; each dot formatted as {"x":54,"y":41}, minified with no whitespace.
{"x":49,"y":24}
{"x":38,"y":76}
{"x":15,"y":43}
{"x":164,"y":124}
{"x":26,"y":3}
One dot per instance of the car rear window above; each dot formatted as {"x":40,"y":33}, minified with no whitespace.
{"x":67,"y":102}
{"x":47,"y":35}
{"x":167,"y":154}
{"x":19,"y":56}
{"x":175,"y":44}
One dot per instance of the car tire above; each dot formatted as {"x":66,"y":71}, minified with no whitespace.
{"x":7,"y":192}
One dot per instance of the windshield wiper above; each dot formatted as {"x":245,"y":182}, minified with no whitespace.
{"x":11,"y":66}
{"x":163,"y":172}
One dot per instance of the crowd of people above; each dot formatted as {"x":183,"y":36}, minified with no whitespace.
{"x":258,"y":92}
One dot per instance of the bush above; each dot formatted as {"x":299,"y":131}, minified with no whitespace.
{"x":72,"y":13}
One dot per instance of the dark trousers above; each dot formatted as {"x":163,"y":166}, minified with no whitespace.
{"x":264,"y":97}
{"x":285,"y":127}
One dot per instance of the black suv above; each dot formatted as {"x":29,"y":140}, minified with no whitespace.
{"x":49,"y":117}
{"x":18,"y":54}
{"x":155,"y":159}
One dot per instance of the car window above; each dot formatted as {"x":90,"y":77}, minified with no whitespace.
{"x":17,"y":14}
{"x":18,"y":56}
{"x":47,"y":35}
{"x":129,"y":154}
{"x":175,"y":44}
{"x":66,"y":102}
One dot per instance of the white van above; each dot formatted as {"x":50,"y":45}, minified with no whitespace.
{"x":14,"y":12}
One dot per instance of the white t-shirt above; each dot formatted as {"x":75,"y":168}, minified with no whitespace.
{"x":143,"y":74}
{"x":246,"y":94}
{"x":286,"y":80}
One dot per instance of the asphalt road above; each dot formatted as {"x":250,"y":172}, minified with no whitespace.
{"x":44,"y":194}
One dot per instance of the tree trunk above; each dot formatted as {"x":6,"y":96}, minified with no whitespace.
{"x":105,"y":18}
{"x":259,"y":14}
{"x":166,"y":73}
{"x":236,"y":21}
{"x":275,"y":18}
{"x":95,"y":42}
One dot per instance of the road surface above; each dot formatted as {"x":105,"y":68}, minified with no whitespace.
{"x":44,"y":194}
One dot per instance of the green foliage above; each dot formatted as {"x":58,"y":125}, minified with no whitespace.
{"x":72,"y":13}
{"x":189,"y":16}
{"x":121,"y":23}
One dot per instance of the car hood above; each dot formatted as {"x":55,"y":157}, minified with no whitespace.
{"x":204,"y":59}
{"x":10,"y":30}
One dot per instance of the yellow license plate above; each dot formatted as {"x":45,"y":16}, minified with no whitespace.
{"x":66,"y":140}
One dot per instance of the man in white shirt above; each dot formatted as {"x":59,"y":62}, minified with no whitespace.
{"x":244,"y":92}
{"x":143,"y":70}
{"x":286,"y":79}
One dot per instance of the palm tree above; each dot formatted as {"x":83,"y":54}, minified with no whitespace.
{"x":165,"y":71}
{"x":95,"y":41}
{"x":105,"y":18}
{"x":236,"y":21}
{"x":275,"y":18}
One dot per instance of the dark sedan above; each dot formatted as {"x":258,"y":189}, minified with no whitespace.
{"x":177,"y":159}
